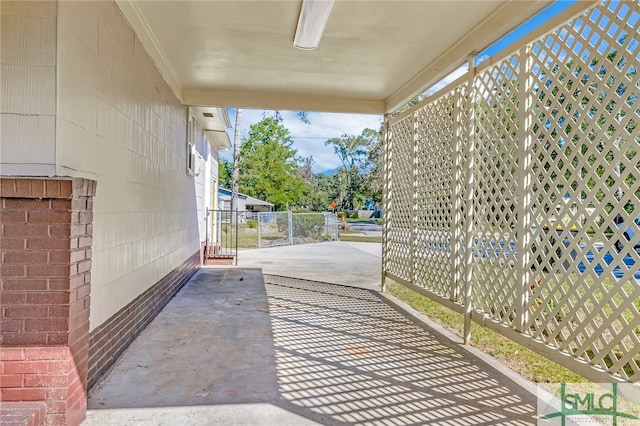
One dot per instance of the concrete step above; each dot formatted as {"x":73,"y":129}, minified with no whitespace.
{"x":22,"y":413}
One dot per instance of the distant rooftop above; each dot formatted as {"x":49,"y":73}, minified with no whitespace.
{"x":249,"y":200}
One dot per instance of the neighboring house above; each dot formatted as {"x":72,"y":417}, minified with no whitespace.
{"x":246,"y":203}
{"x":256,"y":205}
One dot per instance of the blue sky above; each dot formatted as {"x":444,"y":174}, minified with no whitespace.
{"x":309,"y":138}
{"x":525,"y":28}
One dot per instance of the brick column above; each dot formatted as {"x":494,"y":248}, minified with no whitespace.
{"x":45,"y":284}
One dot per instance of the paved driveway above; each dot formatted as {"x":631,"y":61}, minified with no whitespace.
{"x":352,"y":264}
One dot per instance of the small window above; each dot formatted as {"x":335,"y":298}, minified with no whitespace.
{"x":191,"y":145}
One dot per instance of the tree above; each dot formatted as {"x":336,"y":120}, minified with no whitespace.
{"x":268,"y":164}
{"x":302,"y":115}
{"x":225,"y":170}
{"x":332,"y":189}
{"x":352,"y":152}
{"x":374,"y":176}
{"x":313,"y":198}
{"x":305,"y":170}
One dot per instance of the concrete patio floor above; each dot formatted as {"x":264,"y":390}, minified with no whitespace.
{"x":352,"y":264}
{"x":245,"y":346}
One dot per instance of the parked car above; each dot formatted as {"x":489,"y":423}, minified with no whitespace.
{"x":630,"y":229}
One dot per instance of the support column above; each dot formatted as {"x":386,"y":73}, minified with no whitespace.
{"x":45,"y":283}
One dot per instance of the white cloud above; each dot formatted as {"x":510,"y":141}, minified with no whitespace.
{"x":309,"y":138}
{"x":454,"y":75}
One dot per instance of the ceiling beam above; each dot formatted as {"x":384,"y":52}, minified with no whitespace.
{"x":280,"y":101}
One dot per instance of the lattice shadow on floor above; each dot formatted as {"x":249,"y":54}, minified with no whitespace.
{"x":342,"y":353}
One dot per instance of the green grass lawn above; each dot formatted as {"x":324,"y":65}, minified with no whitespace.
{"x":359,"y":238}
{"x":527,"y":363}
{"x":247,"y":237}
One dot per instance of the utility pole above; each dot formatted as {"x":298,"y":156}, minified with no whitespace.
{"x":236,"y":158}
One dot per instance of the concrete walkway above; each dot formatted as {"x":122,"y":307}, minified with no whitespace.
{"x":352,"y":264}
{"x":236,"y":347}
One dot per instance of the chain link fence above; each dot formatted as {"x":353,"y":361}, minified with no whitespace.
{"x":286,"y":228}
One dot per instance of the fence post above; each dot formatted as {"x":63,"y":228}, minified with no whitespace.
{"x":385,"y":203}
{"x":290,"y":217}
{"x":331,"y":220}
{"x":236,"y":229}
{"x":206,"y":236}
{"x":414,"y":206}
{"x":259,"y":230}
{"x":469,"y":216}
{"x":523,"y":174}
{"x":459,"y":208}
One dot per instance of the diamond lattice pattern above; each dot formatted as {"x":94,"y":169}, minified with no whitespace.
{"x":433,"y":165}
{"x":494,"y":239}
{"x":555,"y":189}
{"x":399,"y":201}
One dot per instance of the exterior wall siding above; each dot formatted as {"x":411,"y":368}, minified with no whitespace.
{"x":119,"y":124}
{"x":82,"y":276}
{"x":28,"y":87}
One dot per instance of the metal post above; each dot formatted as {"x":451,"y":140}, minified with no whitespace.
{"x":290,"y":217}
{"x":218,"y":226}
{"x":259,"y":231}
{"x":468,"y":234}
{"x":206,"y":237}
{"x":236,"y":231}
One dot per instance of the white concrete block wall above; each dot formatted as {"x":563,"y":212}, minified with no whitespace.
{"x":119,"y":123}
{"x":27,"y":87}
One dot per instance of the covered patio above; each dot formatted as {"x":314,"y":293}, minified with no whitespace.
{"x":512,"y":189}
{"x":236,"y":346}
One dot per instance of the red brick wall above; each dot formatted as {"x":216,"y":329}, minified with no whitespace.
{"x":46,"y":374}
{"x":45,"y":274}
{"x":22,"y":413}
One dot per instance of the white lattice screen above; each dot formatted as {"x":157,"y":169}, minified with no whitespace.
{"x":552,"y":153}
{"x":398,"y":247}
{"x":433,"y":169}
